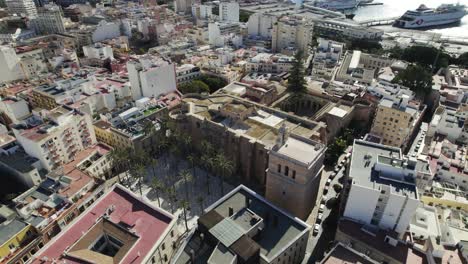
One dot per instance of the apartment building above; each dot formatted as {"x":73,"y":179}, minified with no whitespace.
{"x":113,"y":231}
{"x":187,"y":73}
{"x":294,"y":171}
{"x":202,"y":11}
{"x":14,"y":110}
{"x":382,"y":187}
{"x":183,"y":6}
{"x":361,"y":67}
{"x":21,"y":63}
{"x":259,"y":232}
{"x":269,"y":63}
{"x":19,"y":240}
{"x":151,"y":76}
{"x":25,"y":8}
{"x":326,"y":58}
{"x":396,"y":121}
{"x":229,"y":11}
{"x":222,"y":34}
{"x":58,"y":140}
{"x":261,"y":25}
{"x":290,"y":34}
{"x":49,"y":20}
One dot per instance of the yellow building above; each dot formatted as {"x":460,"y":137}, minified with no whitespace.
{"x":395,"y":121}
{"x":16,"y":238}
{"x":108,"y":135}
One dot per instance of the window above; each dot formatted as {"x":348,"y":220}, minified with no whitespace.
{"x":163,"y":246}
{"x":172,"y":233}
{"x":286,"y":171}
{"x":12,"y":246}
{"x":294,"y":174}
{"x":279,"y":168}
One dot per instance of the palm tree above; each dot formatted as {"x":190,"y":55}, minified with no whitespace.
{"x":116,"y":162}
{"x":185,"y":204}
{"x":171,"y":196}
{"x":157,"y":186}
{"x":191,"y":159}
{"x":207,"y":165}
{"x":225,"y":166}
{"x":200,"y":202}
{"x":185,"y":174}
{"x":139,"y":172}
{"x":150,"y":130}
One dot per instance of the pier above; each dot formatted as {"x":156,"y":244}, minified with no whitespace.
{"x":378,"y":22}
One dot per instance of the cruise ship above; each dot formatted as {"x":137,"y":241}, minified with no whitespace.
{"x":425,"y":17}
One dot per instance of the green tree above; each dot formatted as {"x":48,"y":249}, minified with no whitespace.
{"x":195,"y":86}
{"x":417,"y":78}
{"x":157,"y":186}
{"x":334,"y":150}
{"x":215,"y":83}
{"x":296,"y":82}
{"x":185,"y":204}
{"x":185,"y":174}
{"x":244,"y":16}
{"x":225,"y":167}
{"x":200,"y":200}
{"x":139,"y":172}
{"x":463,"y":60}
{"x":207,"y":163}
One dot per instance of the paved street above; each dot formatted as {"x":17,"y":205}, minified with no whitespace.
{"x":318,"y":244}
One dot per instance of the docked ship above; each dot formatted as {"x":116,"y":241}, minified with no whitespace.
{"x":347,"y":7}
{"x":425,"y":17}
{"x":337,"y":5}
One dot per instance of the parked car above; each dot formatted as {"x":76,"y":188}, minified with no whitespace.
{"x":316,"y":229}
{"x":328,"y":182}
{"x":336,"y":170}
{"x":332,"y":176}
{"x":321,"y":208}
{"x":319,"y":218}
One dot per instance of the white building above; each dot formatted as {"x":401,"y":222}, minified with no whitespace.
{"x":292,"y":33}
{"x":187,"y":73}
{"x":202,"y":11}
{"x":16,"y":109}
{"x":58,"y":141}
{"x":24,"y":65}
{"x":11,"y":67}
{"x":326,"y":58}
{"x":269,"y":63}
{"x":151,"y":76}
{"x":25,"y":8}
{"x":390,"y":91}
{"x":382,"y":187}
{"x":261,"y":25}
{"x":18,"y":35}
{"x":111,"y":30}
{"x":98,"y":51}
{"x":183,"y":6}
{"x":229,"y":11}
{"x":222,"y":34}
{"x":50,"y":20}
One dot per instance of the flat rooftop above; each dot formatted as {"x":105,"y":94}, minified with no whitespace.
{"x":274,"y":238}
{"x":376,"y":241}
{"x":365,"y":155}
{"x":300,"y":150}
{"x":262,"y":124}
{"x":128,"y":217}
{"x":342,"y":254}
{"x":278,"y":231}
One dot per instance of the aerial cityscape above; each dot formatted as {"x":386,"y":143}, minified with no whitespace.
{"x":234,"y":131}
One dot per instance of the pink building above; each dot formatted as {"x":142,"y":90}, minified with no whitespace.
{"x":118,"y":228}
